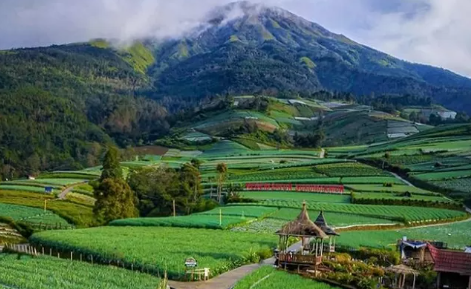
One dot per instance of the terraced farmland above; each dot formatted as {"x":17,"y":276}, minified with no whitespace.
{"x":456,"y":235}
{"x":77,"y":214}
{"x":30,"y":215}
{"x":26,"y":272}
{"x":309,"y":197}
{"x":333,"y":219}
{"x":396,"y":213}
{"x":269,"y":278}
{"x":209,"y":221}
{"x":348,"y":170}
{"x":163,"y":248}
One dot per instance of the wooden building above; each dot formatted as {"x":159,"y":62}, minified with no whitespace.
{"x":453,"y":268}
{"x":322,"y":224}
{"x":313,"y":240}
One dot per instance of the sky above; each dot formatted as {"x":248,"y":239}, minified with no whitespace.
{"x":424,"y":31}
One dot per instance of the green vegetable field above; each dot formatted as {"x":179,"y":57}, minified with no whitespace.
{"x":456,"y":235}
{"x":194,"y":221}
{"x":52,"y":273}
{"x":269,"y":278}
{"x":30,"y":215}
{"x":163,"y":248}
{"x":397,"y":213}
{"x":309,"y":197}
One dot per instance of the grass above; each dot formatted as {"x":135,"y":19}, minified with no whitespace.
{"x":80,"y":215}
{"x":456,"y":235}
{"x":270,"y":278}
{"x":47,"y":272}
{"x":163,"y":248}
{"x":30,"y":215}
{"x":311,"y":197}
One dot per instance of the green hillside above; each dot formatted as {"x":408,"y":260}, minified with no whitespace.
{"x":83,"y":98}
{"x":254,"y":121}
{"x":274,"y":50}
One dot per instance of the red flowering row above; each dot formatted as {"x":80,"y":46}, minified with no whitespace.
{"x":298,"y":188}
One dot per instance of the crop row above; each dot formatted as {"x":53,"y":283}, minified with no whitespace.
{"x":333,"y":219}
{"x":78,"y":214}
{"x":396,"y":213}
{"x":30,"y":215}
{"x":462,"y":185}
{"x":46,"y":272}
{"x":443,"y":175}
{"x":348,"y":169}
{"x":193,"y":221}
{"x":456,"y":235}
{"x":310,"y":197}
{"x":269,"y":278}
{"x":162,"y":248}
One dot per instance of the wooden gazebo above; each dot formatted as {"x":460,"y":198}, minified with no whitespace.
{"x":401,"y":272}
{"x":322,"y":224}
{"x":310,"y":253}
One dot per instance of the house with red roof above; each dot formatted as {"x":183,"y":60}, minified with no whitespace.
{"x":453,"y":268}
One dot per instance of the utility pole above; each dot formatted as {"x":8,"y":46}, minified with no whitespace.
{"x":174,"y":213}
{"x":220,"y":217}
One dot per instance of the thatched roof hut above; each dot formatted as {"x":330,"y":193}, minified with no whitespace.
{"x":322,"y":223}
{"x":302,"y":227}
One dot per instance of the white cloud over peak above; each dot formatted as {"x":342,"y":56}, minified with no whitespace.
{"x":426,"y":31}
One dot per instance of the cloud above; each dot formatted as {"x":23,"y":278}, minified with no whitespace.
{"x":425,"y":31}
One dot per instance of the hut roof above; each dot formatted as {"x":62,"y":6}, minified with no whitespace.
{"x":322,"y":223}
{"x":302,"y":226}
{"x":402,"y":269}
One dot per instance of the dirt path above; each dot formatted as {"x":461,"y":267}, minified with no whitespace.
{"x":402,"y":179}
{"x":63,"y":194}
{"x":322,"y":154}
{"x":438,"y":225}
{"x":228,"y":279}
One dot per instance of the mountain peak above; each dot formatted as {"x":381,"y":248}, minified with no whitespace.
{"x":240,"y":9}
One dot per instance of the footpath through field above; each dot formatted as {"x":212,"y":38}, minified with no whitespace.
{"x":322,"y":154}
{"x":228,"y":279}
{"x":63,"y":194}
{"x":402,"y":179}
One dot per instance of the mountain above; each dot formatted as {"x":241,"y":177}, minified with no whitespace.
{"x":248,"y":48}
{"x":61,"y":105}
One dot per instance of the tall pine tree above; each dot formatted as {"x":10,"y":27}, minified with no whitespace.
{"x":114,"y":197}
